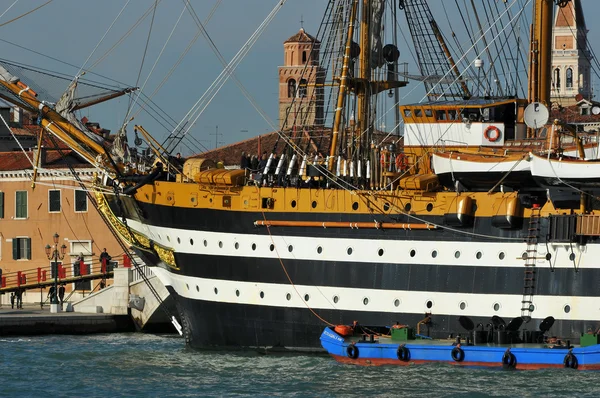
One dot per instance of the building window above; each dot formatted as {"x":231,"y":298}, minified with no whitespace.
{"x":21,"y":204}
{"x":569,"y":78}
{"x":1,"y":204}
{"x":303,"y":57}
{"x":54,"y":200}
{"x":291,"y":88}
{"x":302,"y":88}
{"x":80,"y":201}
{"x":21,"y":248}
{"x":557,"y":79}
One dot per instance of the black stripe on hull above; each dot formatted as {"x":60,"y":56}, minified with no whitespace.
{"x":242,"y":222}
{"x":410,"y":277}
{"x":214,"y":324}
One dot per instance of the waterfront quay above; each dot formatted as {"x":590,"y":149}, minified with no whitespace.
{"x":32,"y":320}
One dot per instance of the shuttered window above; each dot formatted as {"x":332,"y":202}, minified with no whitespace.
{"x":21,"y":204}
{"x":1,"y":204}
{"x":21,"y":248}
{"x":54,"y":200}
{"x":80,"y":201}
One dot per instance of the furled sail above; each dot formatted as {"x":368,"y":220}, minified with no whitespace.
{"x":377,"y":7}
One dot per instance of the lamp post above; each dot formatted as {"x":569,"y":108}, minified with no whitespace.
{"x":54,"y":254}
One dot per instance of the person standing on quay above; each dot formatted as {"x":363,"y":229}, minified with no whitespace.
{"x":61,"y":294}
{"x":19,"y":294}
{"x":12,"y":300}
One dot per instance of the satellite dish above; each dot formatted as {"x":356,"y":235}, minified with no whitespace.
{"x":596,"y":110}
{"x":536,"y":115}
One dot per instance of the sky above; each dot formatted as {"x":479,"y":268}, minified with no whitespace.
{"x":80,"y":32}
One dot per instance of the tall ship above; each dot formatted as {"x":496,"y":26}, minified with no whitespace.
{"x":444,"y":219}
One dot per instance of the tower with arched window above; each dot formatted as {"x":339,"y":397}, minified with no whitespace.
{"x":300,"y":98}
{"x":571,"y":58}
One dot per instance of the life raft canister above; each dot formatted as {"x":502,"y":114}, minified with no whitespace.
{"x":492,"y":134}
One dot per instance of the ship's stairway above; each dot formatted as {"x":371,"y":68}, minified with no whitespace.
{"x":529,"y":279}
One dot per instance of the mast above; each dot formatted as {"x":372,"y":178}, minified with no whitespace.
{"x":541,"y":47}
{"x":341,"y":100}
{"x":364,"y":73}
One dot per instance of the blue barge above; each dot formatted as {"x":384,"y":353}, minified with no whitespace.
{"x":399,"y":346}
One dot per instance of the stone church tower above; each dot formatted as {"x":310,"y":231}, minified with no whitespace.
{"x":300,"y":96}
{"x":571,"y":58}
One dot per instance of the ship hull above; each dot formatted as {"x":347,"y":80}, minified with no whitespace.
{"x":239,"y":285}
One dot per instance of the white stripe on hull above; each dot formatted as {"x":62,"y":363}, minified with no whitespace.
{"x":454,"y":164}
{"x":351,"y":299}
{"x":492,"y":254}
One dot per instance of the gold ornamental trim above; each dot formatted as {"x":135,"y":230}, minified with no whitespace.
{"x":134,"y":238}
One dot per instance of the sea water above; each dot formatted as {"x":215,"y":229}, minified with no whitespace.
{"x":161,"y":366}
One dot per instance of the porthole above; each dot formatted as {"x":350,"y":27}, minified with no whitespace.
{"x":462,"y":305}
{"x":501,"y":255}
{"x":306,"y":297}
{"x":187,"y":286}
{"x":386,"y":206}
{"x":380,"y":252}
{"x":290,"y":248}
{"x":314,"y":204}
{"x":336,"y":299}
{"x":293,"y":203}
{"x":210,"y":200}
{"x":429,"y":207}
{"x":429,"y":304}
{"x":236,"y":245}
{"x":319,"y":249}
{"x":159,"y":237}
{"x":197,"y":288}
{"x":365,"y":300}
{"x":548,"y":256}
{"x":434,"y":254}
{"x":205,"y":243}
{"x":572,"y":256}
{"x":524,"y":256}
{"x":407,"y":207}
{"x":271,"y":247}
{"x":168,"y":238}
{"x":178,"y":240}
{"x":531,"y":307}
{"x":355,"y":206}
{"x":478,"y":255}
{"x":237,"y":293}
{"x":397,"y":303}
{"x":262,"y":295}
{"x":216,"y":290}
{"x":457,"y":254}
{"x":496,"y":307}
{"x":567,"y":308}
{"x":254,"y":246}
{"x":192,"y":242}
{"x":220,"y":245}
{"x":288,"y":297}
{"x":349,"y":251}
{"x":413,"y":252}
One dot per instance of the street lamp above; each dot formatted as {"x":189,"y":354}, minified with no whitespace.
{"x":54,"y":254}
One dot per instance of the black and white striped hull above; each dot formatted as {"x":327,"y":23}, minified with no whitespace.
{"x":248,"y":288}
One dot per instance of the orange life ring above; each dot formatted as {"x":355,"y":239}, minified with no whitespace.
{"x":492,"y":134}
{"x":401,"y":162}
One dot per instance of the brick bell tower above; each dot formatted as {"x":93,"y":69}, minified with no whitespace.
{"x":571,"y":58}
{"x":300,"y":100}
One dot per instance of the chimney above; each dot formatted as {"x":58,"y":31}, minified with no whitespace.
{"x":42,"y":156}
{"x":17,"y":117}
